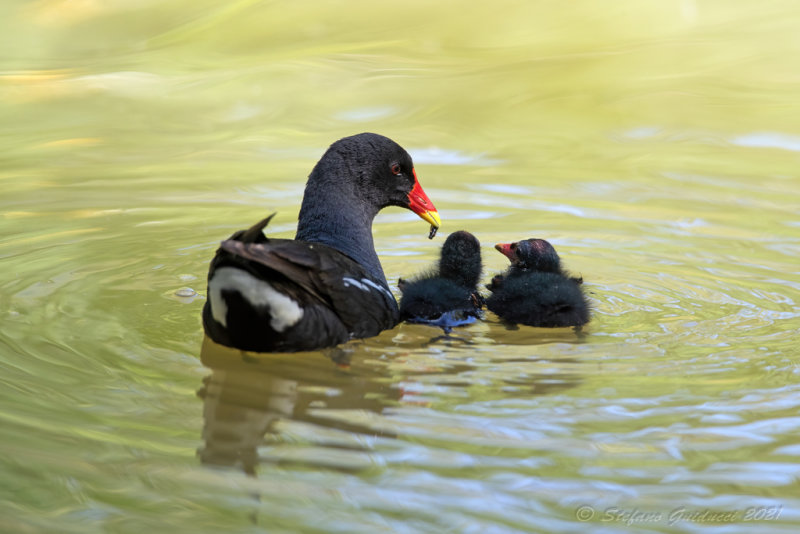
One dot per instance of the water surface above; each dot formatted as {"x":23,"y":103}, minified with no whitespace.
{"x":655,"y":145}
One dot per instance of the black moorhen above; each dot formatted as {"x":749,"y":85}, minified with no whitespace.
{"x":447,"y":295}
{"x":535,"y":290}
{"x":327,"y":285}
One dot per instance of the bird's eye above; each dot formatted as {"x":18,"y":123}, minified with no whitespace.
{"x":396,"y":168}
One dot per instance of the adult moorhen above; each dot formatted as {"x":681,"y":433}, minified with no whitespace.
{"x":447,"y":295}
{"x":535,"y":290}
{"x":325,"y":286}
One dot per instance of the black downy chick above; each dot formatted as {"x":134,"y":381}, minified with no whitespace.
{"x":446,"y":296}
{"x":535,"y":290}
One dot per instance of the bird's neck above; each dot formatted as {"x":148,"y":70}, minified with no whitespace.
{"x":341,"y":225}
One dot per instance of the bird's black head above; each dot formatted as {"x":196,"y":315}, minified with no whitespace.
{"x":461,"y":259}
{"x":533,"y":254}
{"x":380,"y":174}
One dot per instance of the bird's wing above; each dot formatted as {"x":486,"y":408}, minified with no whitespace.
{"x":322,"y":275}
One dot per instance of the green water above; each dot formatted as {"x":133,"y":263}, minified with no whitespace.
{"x":655,"y":144}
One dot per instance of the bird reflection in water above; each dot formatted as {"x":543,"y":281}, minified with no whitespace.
{"x":327,"y":410}
{"x":248,"y":396}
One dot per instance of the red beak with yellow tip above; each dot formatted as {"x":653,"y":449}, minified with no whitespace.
{"x":419,"y":203}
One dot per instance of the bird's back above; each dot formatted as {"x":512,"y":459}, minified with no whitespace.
{"x":540,"y":299}
{"x":283,"y":295}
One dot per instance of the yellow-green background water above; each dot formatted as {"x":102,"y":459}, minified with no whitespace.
{"x":655,"y":144}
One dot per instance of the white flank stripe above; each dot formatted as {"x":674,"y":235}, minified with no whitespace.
{"x":284,"y":311}
{"x":352,"y":281}
{"x":364,"y":285}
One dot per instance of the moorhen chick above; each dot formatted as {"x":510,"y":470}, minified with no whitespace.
{"x":447,"y":295}
{"x":325,"y":286}
{"x":535,"y":290}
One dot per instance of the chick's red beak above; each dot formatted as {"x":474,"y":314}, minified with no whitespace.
{"x":419,"y":203}
{"x":506,"y":250}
